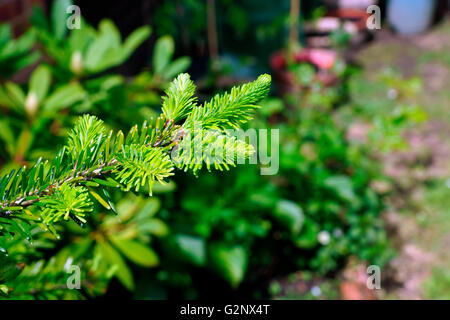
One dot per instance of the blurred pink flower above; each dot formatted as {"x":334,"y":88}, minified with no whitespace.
{"x":322,"y":58}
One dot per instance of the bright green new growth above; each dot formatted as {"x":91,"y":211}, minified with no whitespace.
{"x":180,"y":98}
{"x":67,"y":202}
{"x":232,"y":109}
{"x":212,"y":148}
{"x":87,"y":132}
{"x":142,"y":164}
{"x":93,"y":161}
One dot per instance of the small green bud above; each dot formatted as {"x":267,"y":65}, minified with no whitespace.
{"x":31,"y":103}
{"x":76,"y":63}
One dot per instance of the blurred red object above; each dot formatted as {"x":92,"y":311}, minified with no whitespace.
{"x":322,"y":59}
{"x":355,"y":291}
{"x":277,"y":61}
{"x":17,"y":13}
{"x":354,"y":283}
{"x":357,"y":16}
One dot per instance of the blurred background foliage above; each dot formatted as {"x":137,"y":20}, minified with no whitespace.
{"x":212,"y":235}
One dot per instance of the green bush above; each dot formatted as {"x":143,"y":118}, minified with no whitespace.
{"x":202,"y":235}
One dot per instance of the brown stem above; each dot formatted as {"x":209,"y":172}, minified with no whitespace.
{"x":212,"y":30}
{"x":294,"y":18}
{"x":167,"y":126}
{"x":85,"y":176}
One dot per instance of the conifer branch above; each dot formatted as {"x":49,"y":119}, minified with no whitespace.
{"x":93,"y":161}
{"x":231,"y":109}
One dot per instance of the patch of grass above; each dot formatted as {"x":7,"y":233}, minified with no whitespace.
{"x":438,"y":286}
{"x":412,"y":57}
{"x":437,"y":239}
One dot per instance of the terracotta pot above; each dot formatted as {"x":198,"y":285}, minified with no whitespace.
{"x":357,"y":16}
{"x":360,"y":4}
{"x":284,"y":80}
{"x":351,"y":20}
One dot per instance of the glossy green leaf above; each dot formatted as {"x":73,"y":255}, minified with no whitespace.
{"x":229,"y":262}
{"x":136,"y":252}
{"x":40,"y":82}
{"x":123,"y":273}
{"x":153,"y":226}
{"x":176,"y":67}
{"x":163,"y":53}
{"x":16,"y":94}
{"x":134,"y":40}
{"x":59,"y":17}
{"x":64,"y":97}
{"x":343,"y":186}
{"x":149,"y":209}
{"x":290,"y":215}
{"x":192,"y":248}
